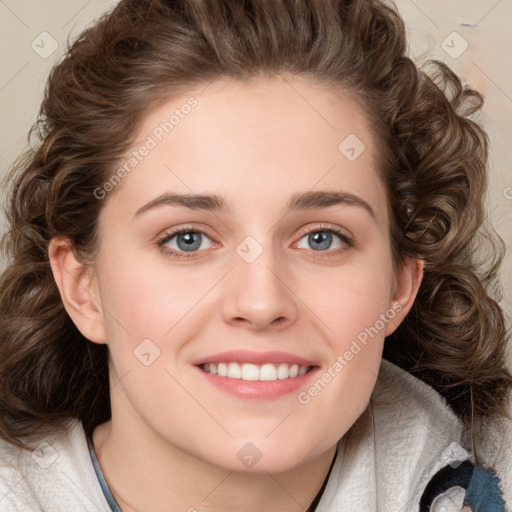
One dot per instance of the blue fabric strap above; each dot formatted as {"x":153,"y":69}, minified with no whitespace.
{"x":104,"y":487}
{"x":483,"y":493}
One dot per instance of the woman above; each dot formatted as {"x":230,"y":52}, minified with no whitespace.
{"x":235,"y":210}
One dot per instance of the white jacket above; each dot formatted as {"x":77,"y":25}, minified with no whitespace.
{"x":406,"y":434}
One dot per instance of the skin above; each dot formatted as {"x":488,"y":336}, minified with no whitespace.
{"x":173,"y":439}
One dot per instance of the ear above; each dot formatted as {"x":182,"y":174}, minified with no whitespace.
{"x":408,"y":280}
{"x":78,"y":289}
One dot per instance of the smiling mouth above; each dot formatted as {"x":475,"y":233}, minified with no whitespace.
{"x":253,"y":372}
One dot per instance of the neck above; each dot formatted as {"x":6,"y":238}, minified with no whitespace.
{"x":141,"y":478}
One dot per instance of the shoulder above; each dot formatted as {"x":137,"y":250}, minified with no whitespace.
{"x":404,"y":438}
{"x":57,"y":474}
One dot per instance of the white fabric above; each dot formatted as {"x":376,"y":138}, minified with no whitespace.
{"x":450,"y":501}
{"x":405,"y":436}
{"x":57,"y":477}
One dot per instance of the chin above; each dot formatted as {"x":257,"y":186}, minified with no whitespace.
{"x":262,"y":457}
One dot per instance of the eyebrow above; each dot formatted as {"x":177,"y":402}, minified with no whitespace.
{"x":300,"y":201}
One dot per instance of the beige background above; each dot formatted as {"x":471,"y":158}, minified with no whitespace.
{"x":481,"y":25}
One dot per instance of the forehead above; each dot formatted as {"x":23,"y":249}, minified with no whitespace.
{"x":267,"y":138}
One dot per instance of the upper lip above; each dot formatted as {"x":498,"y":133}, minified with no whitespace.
{"x":254,"y":357}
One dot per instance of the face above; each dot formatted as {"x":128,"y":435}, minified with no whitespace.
{"x":245,"y":274}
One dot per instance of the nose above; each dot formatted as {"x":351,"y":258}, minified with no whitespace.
{"x":259,"y":295}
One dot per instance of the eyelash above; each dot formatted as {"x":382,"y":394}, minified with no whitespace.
{"x":319,"y":229}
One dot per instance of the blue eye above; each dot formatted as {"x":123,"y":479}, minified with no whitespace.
{"x":320,"y":240}
{"x":182,"y":241}
{"x":188,"y":241}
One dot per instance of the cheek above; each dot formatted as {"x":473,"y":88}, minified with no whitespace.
{"x":350,"y":300}
{"x":145,"y":301}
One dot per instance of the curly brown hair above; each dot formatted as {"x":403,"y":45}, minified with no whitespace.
{"x":433,"y":158}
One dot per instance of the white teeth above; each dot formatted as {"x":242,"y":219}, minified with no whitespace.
{"x":282,"y":371}
{"x":302,"y":370}
{"x":222,"y":370}
{"x":248,"y":371}
{"x":268,"y":372}
{"x":234,"y":371}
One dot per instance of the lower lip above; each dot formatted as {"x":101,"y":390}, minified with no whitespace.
{"x":257,"y":388}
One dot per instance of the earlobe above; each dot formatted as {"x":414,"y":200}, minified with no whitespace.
{"x":409,"y":278}
{"x":78,"y":290}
